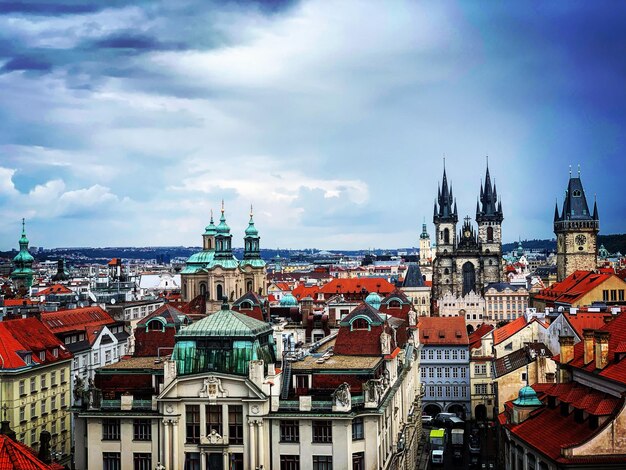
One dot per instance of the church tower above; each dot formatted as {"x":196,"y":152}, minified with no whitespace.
{"x":445,"y":218}
{"x":425,"y":251}
{"x":489,"y":219}
{"x":22,"y":273}
{"x":576,"y":231}
{"x":252,"y":265}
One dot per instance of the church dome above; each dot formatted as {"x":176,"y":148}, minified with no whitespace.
{"x":210,"y":229}
{"x":527,"y":397}
{"x":374,"y":300}
{"x":288,"y":301}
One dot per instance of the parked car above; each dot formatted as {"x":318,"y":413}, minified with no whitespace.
{"x":440,"y":419}
{"x":427,"y":419}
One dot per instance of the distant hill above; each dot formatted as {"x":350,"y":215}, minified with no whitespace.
{"x":613,"y":243}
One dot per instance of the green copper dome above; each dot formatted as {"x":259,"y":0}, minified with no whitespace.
{"x":527,"y":397}
{"x":225,"y":341}
{"x":210,"y":229}
{"x":373,"y":299}
{"x":288,"y":301}
{"x":223,"y":228}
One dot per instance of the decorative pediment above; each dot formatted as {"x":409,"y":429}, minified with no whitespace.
{"x":212,"y":439}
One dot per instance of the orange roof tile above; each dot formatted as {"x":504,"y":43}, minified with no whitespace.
{"x":356,"y":285}
{"x":573,"y":287}
{"x":442,"y":331}
{"x":55,"y":289}
{"x":508,"y":330}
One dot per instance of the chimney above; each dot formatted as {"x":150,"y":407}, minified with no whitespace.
{"x":567,"y":348}
{"x":588,"y":335}
{"x":602,"y":349}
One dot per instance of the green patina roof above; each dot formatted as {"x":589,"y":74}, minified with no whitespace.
{"x":527,"y":397}
{"x":210,"y":229}
{"x":226,"y":323}
{"x":288,"y":301}
{"x":228,"y":263}
{"x":23,"y":257}
{"x":202,"y":257}
{"x":255,"y":263}
{"x":374,"y":300}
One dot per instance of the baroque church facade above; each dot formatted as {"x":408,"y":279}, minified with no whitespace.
{"x":473,"y":259}
{"x":576,"y":231}
{"x":216,"y":273}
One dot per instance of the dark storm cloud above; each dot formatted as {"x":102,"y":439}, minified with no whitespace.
{"x":26,"y":63}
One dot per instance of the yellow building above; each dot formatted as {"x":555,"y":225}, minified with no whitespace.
{"x":35,"y":384}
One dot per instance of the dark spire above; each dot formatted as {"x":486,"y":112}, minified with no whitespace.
{"x":556,"y":211}
{"x":443,"y":205}
{"x":489,"y":209}
{"x":595,"y":209}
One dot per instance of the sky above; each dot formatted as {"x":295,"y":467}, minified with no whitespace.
{"x":124,"y":123}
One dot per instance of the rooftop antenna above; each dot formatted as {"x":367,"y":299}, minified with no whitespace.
{"x":579,"y":170}
{"x":570,"y":171}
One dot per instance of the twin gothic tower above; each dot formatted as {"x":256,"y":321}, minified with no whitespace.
{"x":467,"y":262}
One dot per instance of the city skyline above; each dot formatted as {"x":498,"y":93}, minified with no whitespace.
{"x":124,"y":128}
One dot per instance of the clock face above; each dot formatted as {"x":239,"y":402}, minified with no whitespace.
{"x":580,"y":239}
{"x":467,"y":233}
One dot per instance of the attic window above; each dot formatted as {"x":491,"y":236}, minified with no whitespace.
{"x":55,"y":352}
{"x":360,"y":324}
{"x":42,"y":356}
{"x":458,"y":334}
{"x":576,"y":193}
{"x":442,"y":334}
{"x":246,"y":306}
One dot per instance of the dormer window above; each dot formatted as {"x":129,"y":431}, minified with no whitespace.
{"x":576,"y":193}
{"x":155,"y":325}
{"x":55,"y":352}
{"x":360,"y":324}
{"x":42,"y":356}
{"x":28,"y":358}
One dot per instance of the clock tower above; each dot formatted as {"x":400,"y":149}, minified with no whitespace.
{"x":576,"y":230}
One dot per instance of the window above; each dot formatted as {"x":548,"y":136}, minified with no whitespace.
{"x":142,"y":461}
{"x":439,"y":391}
{"x":96,"y":358}
{"x":289,"y":431}
{"x":53,"y":403}
{"x":111,"y":461}
{"x":22,"y":388}
{"x":192,"y":460}
{"x":33,"y":411}
{"x":33,"y":386}
{"x":63,"y":400}
{"x":322,"y":431}
{"x":192,"y":421}
{"x":357,"y":429}
{"x":142,"y":430}
{"x":455,"y":391}
{"x":322,"y":462}
{"x":446,"y":354}
{"x":455,"y":355}
{"x":42,"y":356}
{"x":107,"y":357}
{"x":455,"y":372}
{"x":360,"y":324}
{"x":523,"y":376}
{"x":42,"y":382}
{"x":439,"y":354}
{"x":423,"y":372}
{"x":55,"y":352}
{"x":620,"y":295}
{"x":446,"y":372}
{"x":62,"y":376}
{"x":358,"y":461}
{"x":33,"y":437}
{"x":431,"y":354}
{"x":481,"y":389}
{"x":22,"y":413}
{"x":53,"y":428}
{"x":438,"y":372}
{"x":110,"y":429}
{"x":289,"y":462}
{"x":214,"y":419}
{"x":235,"y":424}
{"x":42,"y":405}
{"x":613,"y":295}
{"x":463,"y":372}
{"x":302,"y":381}
{"x":53,"y":379}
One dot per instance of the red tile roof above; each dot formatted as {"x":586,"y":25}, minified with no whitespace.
{"x":55,"y":289}
{"x":475,"y":338}
{"x":18,"y":302}
{"x":573,"y":287}
{"x":549,"y":432}
{"x":589,"y":320}
{"x":303,"y":291}
{"x":62,"y":321}
{"x":16,"y":456}
{"x":357,"y":285}
{"x":28,"y":334}
{"x":615,"y":369}
{"x":508,"y":330}
{"x":442,"y":331}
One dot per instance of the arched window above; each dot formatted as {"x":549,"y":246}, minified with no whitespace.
{"x":249,"y":286}
{"x":446,"y":236}
{"x":394,"y":304}
{"x":209,"y":244}
{"x":489,"y":234}
{"x":203,"y":288}
{"x":155,"y":325}
{"x":469,"y":278}
{"x":220,"y":291}
{"x":446,"y":271}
